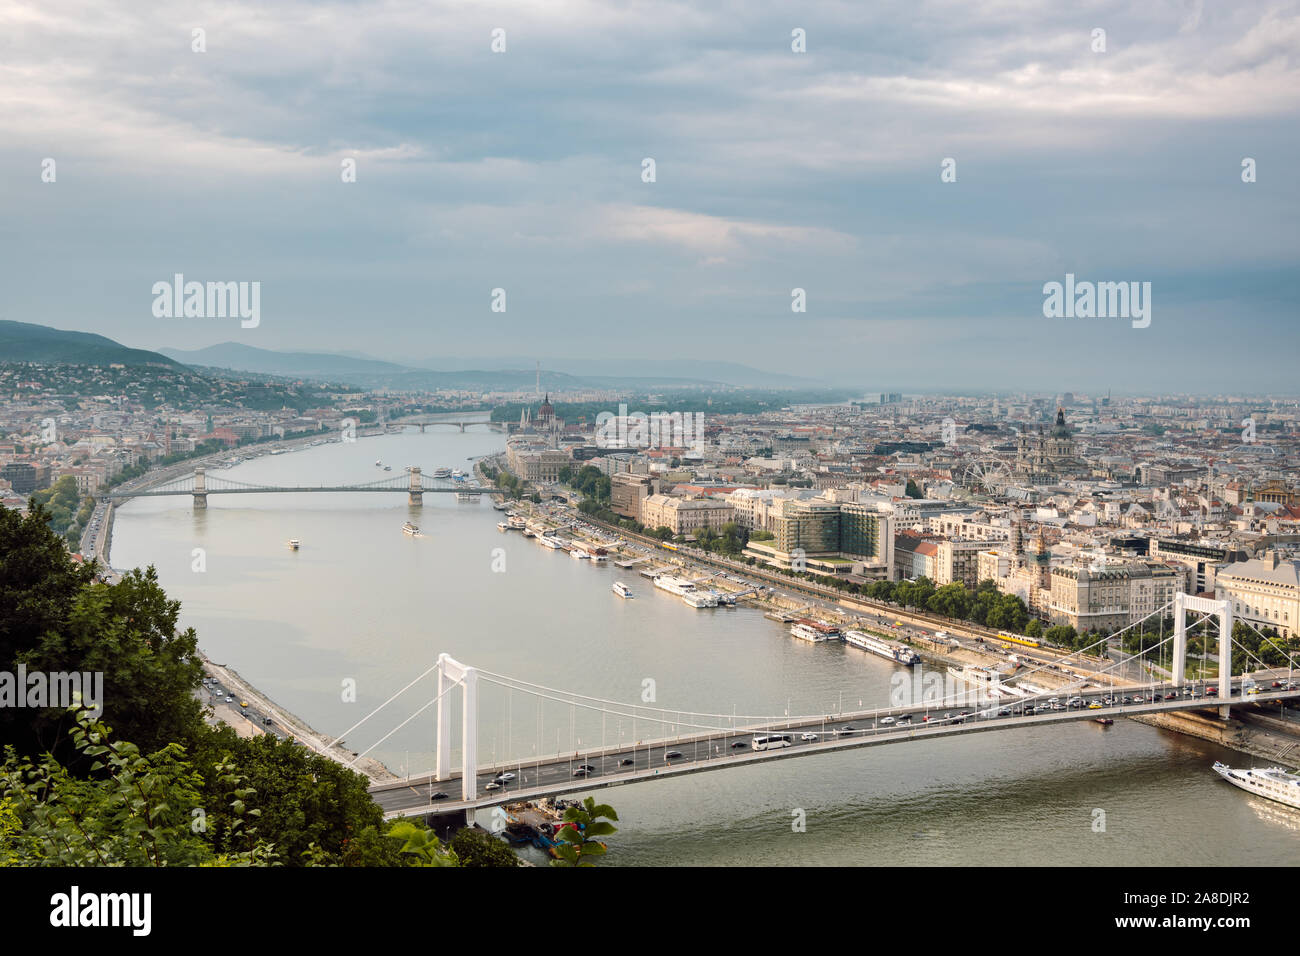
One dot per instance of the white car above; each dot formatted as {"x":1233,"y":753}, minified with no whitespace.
{"x":886,"y":721}
{"x":505,"y":777}
{"x":808,"y":737}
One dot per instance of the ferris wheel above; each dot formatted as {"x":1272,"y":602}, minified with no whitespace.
{"x":987,"y":472}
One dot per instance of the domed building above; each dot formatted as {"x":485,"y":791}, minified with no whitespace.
{"x":1044,"y":457}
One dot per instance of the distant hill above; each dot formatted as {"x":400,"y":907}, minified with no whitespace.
{"x":483,"y":372}
{"x":359,"y":370}
{"x":246,"y":358}
{"x":25,"y":342}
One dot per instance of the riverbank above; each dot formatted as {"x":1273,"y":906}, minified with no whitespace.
{"x":297,"y":729}
{"x":294,"y":727}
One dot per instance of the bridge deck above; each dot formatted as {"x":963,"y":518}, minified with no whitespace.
{"x":553,"y":776}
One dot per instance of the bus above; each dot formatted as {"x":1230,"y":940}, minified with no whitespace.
{"x":771,"y":742}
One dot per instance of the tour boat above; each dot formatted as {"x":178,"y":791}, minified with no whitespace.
{"x":412,"y":530}
{"x":885,"y":648}
{"x":814,"y":631}
{"x":295,"y":544}
{"x":502,"y":526}
{"x":621,"y":589}
{"x":1273,"y":783}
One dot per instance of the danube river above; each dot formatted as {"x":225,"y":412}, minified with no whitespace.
{"x":362,"y":609}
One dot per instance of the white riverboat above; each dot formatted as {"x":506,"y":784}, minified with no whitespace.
{"x":621,"y":589}
{"x":700,"y":599}
{"x":412,"y":531}
{"x":814,"y":631}
{"x":885,"y":648}
{"x":674,"y":585}
{"x":1273,"y":783}
{"x":294,"y":544}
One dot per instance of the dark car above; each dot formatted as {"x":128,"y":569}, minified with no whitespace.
{"x":672,"y":754}
{"x":580,"y":772}
{"x":587,"y":767}
{"x":737,"y":744}
{"x":626,"y":762}
{"x":439,"y":796}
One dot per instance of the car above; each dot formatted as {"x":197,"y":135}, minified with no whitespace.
{"x":847,"y":728}
{"x":905,"y":719}
{"x":1171,"y":696}
{"x":1211,"y":692}
{"x":492,"y":786}
{"x":1094,"y":705}
{"x":1277,"y":683}
{"x":1139,"y":699}
{"x":1004,"y":712}
{"x":886,"y":721}
{"x":1252,"y":690}
{"x":587,"y":767}
{"x":505,"y":777}
{"x":267,"y":720}
{"x":1030,"y":710}
{"x":672,"y":754}
{"x":229,"y":699}
{"x":808,"y":736}
{"x":438,"y":796}
{"x":1128,"y":700}
{"x":626,"y":762}
{"x":737,"y":744}
{"x":243,"y":703}
{"x":926,"y":719}
{"x":580,"y":772}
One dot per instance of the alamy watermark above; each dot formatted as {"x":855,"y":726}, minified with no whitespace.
{"x":179,"y":299}
{"x":656,"y":430}
{"x":1098,"y":300}
{"x":61,"y":689}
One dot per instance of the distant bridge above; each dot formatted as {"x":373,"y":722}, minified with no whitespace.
{"x":461,"y":423}
{"x":199,"y":484}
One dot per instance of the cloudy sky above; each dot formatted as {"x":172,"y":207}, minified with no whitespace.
{"x":774,"y":170}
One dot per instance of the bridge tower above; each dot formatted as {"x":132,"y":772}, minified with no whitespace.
{"x":200,"y":488}
{"x":1188,"y":602}
{"x":450,"y":673}
{"x":415,"y":496}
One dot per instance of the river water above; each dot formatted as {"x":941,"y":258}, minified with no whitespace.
{"x":333,"y":630}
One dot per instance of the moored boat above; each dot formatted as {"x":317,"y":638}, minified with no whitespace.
{"x":1273,"y":783}
{"x":885,"y":648}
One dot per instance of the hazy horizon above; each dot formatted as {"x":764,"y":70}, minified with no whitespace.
{"x":775,"y":170}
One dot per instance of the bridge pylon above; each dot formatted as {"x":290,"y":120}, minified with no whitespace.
{"x":200,"y":488}
{"x":1189,"y":602}
{"x":415,"y":494}
{"x":450,"y":673}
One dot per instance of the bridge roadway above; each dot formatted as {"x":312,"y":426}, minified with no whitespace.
{"x":719,"y":750}
{"x":348,"y":489}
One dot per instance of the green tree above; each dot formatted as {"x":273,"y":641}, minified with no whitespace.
{"x":422,"y":846}
{"x":477,"y":848}
{"x":140,"y":811}
{"x":578,"y":843}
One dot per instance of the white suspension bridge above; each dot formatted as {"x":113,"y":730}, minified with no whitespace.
{"x":656,"y":743}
